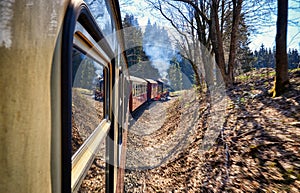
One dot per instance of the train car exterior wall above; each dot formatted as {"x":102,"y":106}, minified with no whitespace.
{"x":29,"y":91}
{"x":32,"y":101}
{"x":138,"y":95}
{"x":152,"y":89}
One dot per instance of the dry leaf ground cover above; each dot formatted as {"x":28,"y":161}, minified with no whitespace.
{"x":257,"y":148}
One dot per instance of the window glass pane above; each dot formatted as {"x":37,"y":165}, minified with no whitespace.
{"x":94,"y":181}
{"x":102,"y":14}
{"x":87,"y":97}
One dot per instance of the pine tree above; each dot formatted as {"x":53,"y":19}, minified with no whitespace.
{"x":175,"y":75}
{"x":138,"y":62}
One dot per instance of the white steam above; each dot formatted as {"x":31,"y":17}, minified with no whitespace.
{"x":157,"y":46}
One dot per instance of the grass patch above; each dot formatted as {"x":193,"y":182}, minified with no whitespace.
{"x":243,"y":77}
{"x":294,"y":70}
{"x":177,"y":93}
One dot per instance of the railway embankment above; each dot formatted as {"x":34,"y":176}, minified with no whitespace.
{"x":243,"y":142}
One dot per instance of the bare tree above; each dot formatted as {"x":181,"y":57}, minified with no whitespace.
{"x":204,"y":21}
{"x":181,"y":17}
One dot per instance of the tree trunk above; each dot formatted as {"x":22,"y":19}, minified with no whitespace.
{"x":217,"y":42}
{"x":237,"y":8}
{"x":282,"y":78}
{"x":197,"y":76}
{"x":208,"y":67}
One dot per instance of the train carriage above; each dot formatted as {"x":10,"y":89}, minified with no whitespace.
{"x":51,"y":55}
{"x":152,"y":89}
{"x":63,"y":98}
{"x":138,"y":94}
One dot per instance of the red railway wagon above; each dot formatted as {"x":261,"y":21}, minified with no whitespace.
{"x":160,"y":89}
{"x":152,"y":89}
{"x":138,"y":94}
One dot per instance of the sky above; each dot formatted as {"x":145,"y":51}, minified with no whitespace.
{"x":265,"y":36}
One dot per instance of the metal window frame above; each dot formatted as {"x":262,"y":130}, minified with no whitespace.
{"x":78,"y":11}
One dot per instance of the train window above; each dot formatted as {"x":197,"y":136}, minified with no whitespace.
{"x":101,"y":12}
{"x":133,"y":89}
{"x":87,"y":97}
{"x":88,"y":94}
{"x":88,"y":113}
{"x":137,"y":90}
{"x":90,"y":110}
{"x":140,"y":89}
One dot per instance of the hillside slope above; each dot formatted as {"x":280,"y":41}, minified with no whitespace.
{"x":257,"y":149}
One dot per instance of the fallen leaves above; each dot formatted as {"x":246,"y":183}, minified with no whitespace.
{"x":257,"y":151}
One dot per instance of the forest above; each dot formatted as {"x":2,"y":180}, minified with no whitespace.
{"x":238,"y":129}
{"x":211,"y":42}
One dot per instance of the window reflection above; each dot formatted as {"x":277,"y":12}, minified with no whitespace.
{"x":7,"y":14}
{"x":101,"y":13}
{"x":87,"y":97}
{"x":94,"y":181}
